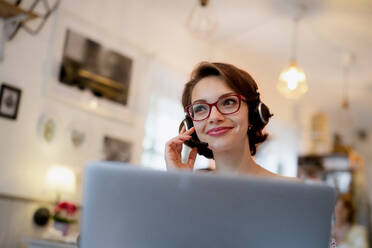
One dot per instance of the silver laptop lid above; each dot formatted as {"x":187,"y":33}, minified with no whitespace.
{"x":131,"y":207}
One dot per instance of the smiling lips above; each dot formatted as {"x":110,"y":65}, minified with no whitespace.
{"x":218,"y":131}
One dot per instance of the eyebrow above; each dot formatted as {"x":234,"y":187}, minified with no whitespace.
{"x":203,"y":100}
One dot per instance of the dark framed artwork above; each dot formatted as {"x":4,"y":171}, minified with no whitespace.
{"x":94,"y":69}
{"x":89,"y":65}
{"x":117,"y":149}
{"x":10,"y":98}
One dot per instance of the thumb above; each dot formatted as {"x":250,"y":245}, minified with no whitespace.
{"x":192,"y":157}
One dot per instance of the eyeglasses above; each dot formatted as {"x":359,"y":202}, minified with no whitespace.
{"x":226,"y":105}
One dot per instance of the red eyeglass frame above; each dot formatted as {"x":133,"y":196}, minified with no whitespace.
{"x":240,"y":97}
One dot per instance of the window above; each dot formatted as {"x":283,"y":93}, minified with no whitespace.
{"x":165,"y":112}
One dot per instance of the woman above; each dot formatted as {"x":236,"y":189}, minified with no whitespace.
{"x":228,"y":118}
{"x":346,"y":233}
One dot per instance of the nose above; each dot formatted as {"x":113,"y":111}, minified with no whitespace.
{"x":215,"y":115}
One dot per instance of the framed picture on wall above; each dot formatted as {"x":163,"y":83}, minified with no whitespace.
{"x":94,"y":69}
{"x":88,"y":65}
{"x":10,"y":98}
{"x":116,"y":149}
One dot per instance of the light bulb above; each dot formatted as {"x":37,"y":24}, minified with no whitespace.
{"x":292,"y":82}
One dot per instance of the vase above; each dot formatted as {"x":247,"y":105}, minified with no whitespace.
{"x":62,"y":227}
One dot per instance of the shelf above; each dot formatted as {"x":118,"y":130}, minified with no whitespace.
{"x":8,"y":10}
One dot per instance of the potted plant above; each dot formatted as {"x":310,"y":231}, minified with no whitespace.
{"x":64,"y":216}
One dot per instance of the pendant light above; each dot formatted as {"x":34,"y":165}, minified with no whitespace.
{"x":348,"y":60}
{"x":201,"y":21}
{"x":346,"y":114}
{"x":292,"y":80}
{"x":345,"y":118}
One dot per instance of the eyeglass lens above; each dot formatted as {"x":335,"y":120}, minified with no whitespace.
{"x":225,"y":105}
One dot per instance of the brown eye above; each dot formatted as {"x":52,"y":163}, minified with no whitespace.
{"x":229,"y":102}
{"x":197,"y":108}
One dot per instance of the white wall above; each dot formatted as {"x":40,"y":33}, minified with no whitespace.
{"x":24,"y":157}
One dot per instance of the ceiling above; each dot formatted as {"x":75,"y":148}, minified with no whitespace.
{"x":328,"y":31}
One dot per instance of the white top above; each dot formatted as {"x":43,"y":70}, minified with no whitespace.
{"x":356,"y":237}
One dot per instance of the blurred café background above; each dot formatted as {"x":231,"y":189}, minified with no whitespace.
{"x":102,"y":80}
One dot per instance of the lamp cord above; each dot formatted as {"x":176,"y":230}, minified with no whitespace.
{"x":294,"y":40}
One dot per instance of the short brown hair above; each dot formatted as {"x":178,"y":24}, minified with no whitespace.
{"x":238,"y":80}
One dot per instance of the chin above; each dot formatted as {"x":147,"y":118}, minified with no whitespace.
{"x":220,"y":144}
{"x":225,"y":143}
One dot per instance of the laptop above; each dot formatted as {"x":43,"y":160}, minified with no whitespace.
{"x":131,"y":207}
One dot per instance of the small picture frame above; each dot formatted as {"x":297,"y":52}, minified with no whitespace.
{"x":116,"y":149}
{"x":10,"y":97}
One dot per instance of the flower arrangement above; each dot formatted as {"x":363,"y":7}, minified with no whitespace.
{"x":64,"y":213}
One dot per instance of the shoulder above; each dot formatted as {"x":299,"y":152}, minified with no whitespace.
{"x":268,"y":174}
{"x":357,"y":229}
{"x":357,"y":235}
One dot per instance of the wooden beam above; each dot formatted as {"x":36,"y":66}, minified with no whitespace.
{"x":8,"y":10}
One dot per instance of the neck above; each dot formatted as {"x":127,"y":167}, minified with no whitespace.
{"x":237,"y":160}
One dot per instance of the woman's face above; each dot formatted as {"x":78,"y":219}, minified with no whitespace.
{"x":232,"y":128}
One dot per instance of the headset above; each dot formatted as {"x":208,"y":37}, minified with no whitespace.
{"x":258,"y":114}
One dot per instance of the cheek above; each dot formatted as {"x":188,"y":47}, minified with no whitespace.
{"x":198,"y":128}
{"x":242,"y":121}
{"x":244,"y":124}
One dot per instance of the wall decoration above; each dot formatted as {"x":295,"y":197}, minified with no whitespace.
{"x":75,"y":133}
{"x":93,"y":69}
{"x":87,"y":65}
{"x":77,"y":137}
{"x":116,"y":149}
{"x":47,"y":128}
{"x":10,"y":98}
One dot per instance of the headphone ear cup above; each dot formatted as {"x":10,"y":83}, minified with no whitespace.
{"x":260,"y":115}
{"x":194,"y":141}
{"x":264,"y":113}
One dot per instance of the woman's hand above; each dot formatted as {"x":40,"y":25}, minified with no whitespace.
{"x":173,"y":149}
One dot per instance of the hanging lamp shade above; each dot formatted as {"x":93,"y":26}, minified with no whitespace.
{"x":202,"y":22}
{"x":292,"y":82}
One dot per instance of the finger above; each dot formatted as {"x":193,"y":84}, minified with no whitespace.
{"x":175,"y":145}
{"x":184,"y":136}
{"x":192,"y":157}
{"x":190,"y":131}
{"x":181,"y":138}
{"x":173,"y":153}
{"x":178,"y":139}
{"x":183,"y":130}
{"x":177,"y":142}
